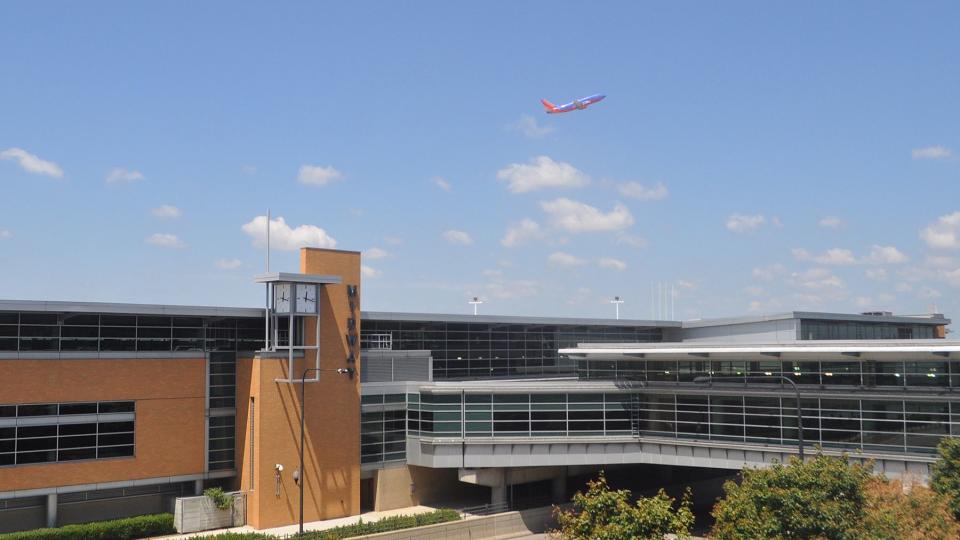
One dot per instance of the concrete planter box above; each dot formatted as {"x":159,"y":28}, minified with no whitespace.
{"x":194,"y":514}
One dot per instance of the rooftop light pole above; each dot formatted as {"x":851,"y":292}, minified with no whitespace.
{"x":617,"y":301}
{"x":300,"y":477}
{"x":710,"y":379}
{"x":475,"y":302}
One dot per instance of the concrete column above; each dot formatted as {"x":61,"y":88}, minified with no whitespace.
{"x":559,"y":485}
{"x":52,"y":510}
{"x":197,"y":487}
{"x":498,"y":489}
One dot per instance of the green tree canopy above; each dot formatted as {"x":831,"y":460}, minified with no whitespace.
{"x":946,"y":473}
{"x":605,"y":514}
{"x":820,"y":498}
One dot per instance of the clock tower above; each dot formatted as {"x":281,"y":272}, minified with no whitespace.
{"x":311,"y":356}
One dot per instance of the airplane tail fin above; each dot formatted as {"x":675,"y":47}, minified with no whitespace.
{"x":550,"y":107}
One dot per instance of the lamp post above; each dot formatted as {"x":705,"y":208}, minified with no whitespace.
{"x":617,"y":301}
{"x":475,"y":302}
{"x":796,"y":389}
{"x":303,"y":414}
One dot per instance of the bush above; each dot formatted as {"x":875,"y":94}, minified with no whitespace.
{"x":605,"y":514}
{"x":917,"y":514}
{"x":820,"y":498}
{"x":221,"y":499}
{"x":946,"y":473}
{"x":117,"y":529}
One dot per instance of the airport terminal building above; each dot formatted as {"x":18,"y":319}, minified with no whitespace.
{"x":109,"y":410}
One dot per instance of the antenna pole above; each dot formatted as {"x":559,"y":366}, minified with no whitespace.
{"x":268,"y":240}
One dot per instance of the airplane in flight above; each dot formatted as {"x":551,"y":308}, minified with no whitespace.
{"x":575,"y":105}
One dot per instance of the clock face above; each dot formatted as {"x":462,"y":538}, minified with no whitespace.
{"x":306,"y":298}
{"x":282,"y":297}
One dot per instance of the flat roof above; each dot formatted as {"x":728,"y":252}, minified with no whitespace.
{"x":272,"y":277}
{"x":513,"y":319}
{"x":931,"y":318}
{"x":133,"y":309}
{"x":813,"y":346}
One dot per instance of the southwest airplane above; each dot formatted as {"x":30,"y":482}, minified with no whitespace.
{"x":575,"y":105}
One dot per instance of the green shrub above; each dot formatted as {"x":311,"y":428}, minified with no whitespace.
{"x":117,"y":529}
{"x":946,"y":472}
{"x":221,"y":499}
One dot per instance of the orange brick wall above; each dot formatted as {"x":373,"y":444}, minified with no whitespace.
{"x":332,"y":449}
{"x":169,"y":396}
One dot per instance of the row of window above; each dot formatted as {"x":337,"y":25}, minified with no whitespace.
{"x":472,"y":350}
{"x":853,"y":330}
{"x":383,"y":435}
{"x":61,"y":438}
{"x":105,"y":332}
{"x":889,"y":425}
{"x":63,"y":409}
{"x":221,"y":437}
{"x":870,"y":373}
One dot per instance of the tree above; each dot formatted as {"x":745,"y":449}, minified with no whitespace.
{"x":919,"y":513}
{"x":820,"y":498}
{"x":946,"y":473}
{"x":605,"y":514}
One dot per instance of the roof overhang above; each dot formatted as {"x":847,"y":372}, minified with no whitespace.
{"x":291,"y":277}
{"x":925,"y":349}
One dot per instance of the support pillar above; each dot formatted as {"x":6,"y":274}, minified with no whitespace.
{"x":559,"y":487}
{"x":52,"y":510}
{"x":198,"y":487}
{"x":498,"y":491}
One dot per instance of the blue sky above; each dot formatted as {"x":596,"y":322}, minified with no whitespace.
{"x":759,"y":156}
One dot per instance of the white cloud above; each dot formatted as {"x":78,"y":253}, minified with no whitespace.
{"x":830,"y":222}
{"x":876,"y":274}
{"x":369,"y":272}
{"x":885,"y":255}
{"x":944,"y":234}
{"x":631,"y":240}
{"x":166,"y":211}
{"x":639,"y":191}
{"x":284,"y":237}
{"x":532,"y":129}
{"x":768,"y":273}
{"x":928,"y":293}
{"x":4,"y":234}
{"x":940,"y":261}
{"x":577,"y":217}
{"x":559,"y":258}
{"x":32,"y":163}
{"x":393,"y":240}
{"x":454,"y":236}
{"x":521,"y":233}
{"x":375,"y":253}
{"x":816,"y":279}
{"x":317,"y":175}
{"x":441,"y":183}
{"x":740,"y":223}
{"x":119,"y":174}
{"x":493,"y":273}
{"x":932,"y":152}
{"x":541,"y":172}
{"x":612,"y":264}
{"x":229,"y":264}
{"x":834,"y":256}
{"x":753,"y":290}
{"x":165,"y":240}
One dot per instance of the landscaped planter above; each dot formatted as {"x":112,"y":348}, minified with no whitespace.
{"x":193,"y":514}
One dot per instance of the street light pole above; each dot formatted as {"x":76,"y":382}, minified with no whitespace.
{"x":303,"y":415}
{"x":476,"y":302}
{"x":617,"y":301}
{"x":796,"y":389}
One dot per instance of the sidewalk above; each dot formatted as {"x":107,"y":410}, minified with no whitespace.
{"x":311,"y":526}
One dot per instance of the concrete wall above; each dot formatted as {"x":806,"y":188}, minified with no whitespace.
{"x":193,"y":514}
{"x":504,"y":525}
{"x":169,"y":395}
{"x":393,"y":489}
{"x":763,"y":332}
